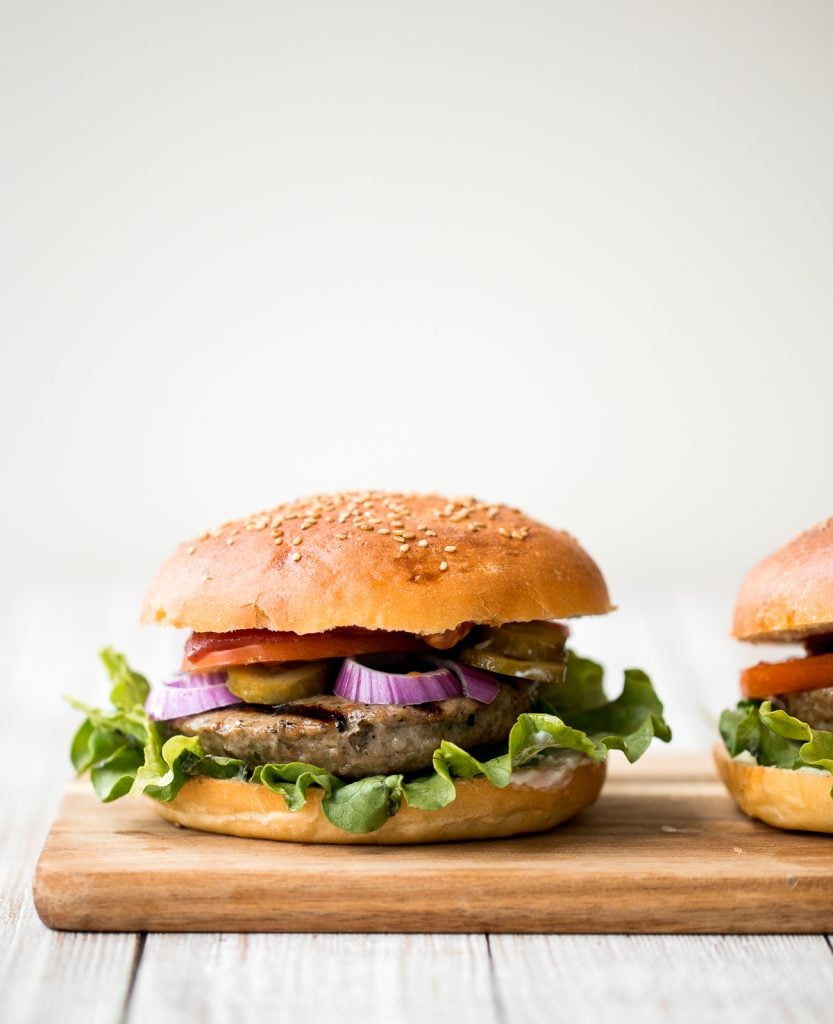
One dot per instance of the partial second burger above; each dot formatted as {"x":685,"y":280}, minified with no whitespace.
{"x":776,"y":757}
{"x":371,"y":667}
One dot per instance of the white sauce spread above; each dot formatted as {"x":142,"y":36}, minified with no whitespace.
{"x":745,"y":757}
{"x":550,"y":772}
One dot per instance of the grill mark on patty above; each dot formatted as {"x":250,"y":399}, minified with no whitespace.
{"x":311,"y":710}
{"x":431,"y":707}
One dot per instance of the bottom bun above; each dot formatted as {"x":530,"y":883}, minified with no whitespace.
{"x":538,"y":799}
{"x":779,"y":796}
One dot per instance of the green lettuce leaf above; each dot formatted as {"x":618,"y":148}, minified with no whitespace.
{"x":129,"y":688}
{"x":818,"y":751}
{"x":774,"y":738}
{"x":364,"y":805}
{"x":817,"y":746}
{"x":93,"y":745}
{"x":114,"y":776}
{"x":360,"y":806}
{"x":582,"y":688}
{"x":630,"y":722}
{"x":166,"y":767}
{"x":431,"y":792}
{"x":125,"y":752}
{"x":222,"y":767}
{"x":293,"y":780}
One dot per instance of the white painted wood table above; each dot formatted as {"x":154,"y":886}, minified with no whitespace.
{"x":50,"y":636}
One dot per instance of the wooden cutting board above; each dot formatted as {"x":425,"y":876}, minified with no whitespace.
{"x":664,"y":850}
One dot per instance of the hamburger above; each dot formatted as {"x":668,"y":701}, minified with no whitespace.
{"x":777,"y":752}
{"x":370,"y":668}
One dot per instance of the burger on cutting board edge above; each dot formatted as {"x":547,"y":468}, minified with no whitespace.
{"x":371,"y":667}
{"x":777,"y":752}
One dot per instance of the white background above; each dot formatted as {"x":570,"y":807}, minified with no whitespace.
{"x":577,"y":257}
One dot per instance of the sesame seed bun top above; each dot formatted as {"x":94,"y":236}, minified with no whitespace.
{"x":789,"y":595}
{"x":377,"y":560}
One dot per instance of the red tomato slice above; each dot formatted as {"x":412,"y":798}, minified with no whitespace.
{"x":247,"y":646}
{"x":768,"y":679}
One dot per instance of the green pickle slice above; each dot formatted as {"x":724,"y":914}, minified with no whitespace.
{"x":276,"y":684}
{"x":529,"y":650}
{"x":537,"y":671}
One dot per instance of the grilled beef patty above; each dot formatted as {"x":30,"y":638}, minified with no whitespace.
{"x":351,"y":739}
{"x":815,"y":707}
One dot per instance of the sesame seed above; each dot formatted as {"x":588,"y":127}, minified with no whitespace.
{"x":191,"y":550}
{"x":409,"y":536}
{"x":278,"y":540}
{"x":443,"y":566}
{"x":430,"y":533}
{"x":297,"y":541}
{"x":503,"y":531}
{"x":229,"y":540}
{"x":450,"y":548}
{"x":296,"y":556}
{"x":404,"y":547}
{"x":423,"y":543}
{"x":384,"y":531}
{"x":364,"y":526}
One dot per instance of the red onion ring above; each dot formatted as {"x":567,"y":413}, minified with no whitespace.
{"x":189,"y":693}
{"x":374,"y":686}
{"x":477,"y":684}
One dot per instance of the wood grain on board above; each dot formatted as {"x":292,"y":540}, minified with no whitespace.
{"x":664,"y":850}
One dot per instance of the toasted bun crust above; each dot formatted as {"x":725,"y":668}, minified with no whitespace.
{"x":419,"y":563}
{"x":481,"y":810}
{"x":789,"y":595}
{"x":778,"y":796}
